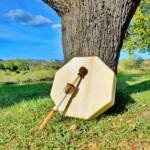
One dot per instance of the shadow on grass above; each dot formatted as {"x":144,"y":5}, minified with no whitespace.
{"x":123,"y":95}
{"x":13,"y":94}
{"x":139,"y":87}
{"x":122,"y":101}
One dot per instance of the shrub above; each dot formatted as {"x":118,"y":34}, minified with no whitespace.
{"x":22,"y":65}
{"x":17,"y":65}
{"x":2,"y":67}
{"x":130,"y":63}
{"x":12,"y":67}
{"x":145,"y":66}
{"x":56,"y":67}
{"x":18,"y":71}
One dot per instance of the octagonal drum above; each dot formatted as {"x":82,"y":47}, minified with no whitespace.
{"x":96,"y":91}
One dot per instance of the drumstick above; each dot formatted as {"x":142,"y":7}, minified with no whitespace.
{"x":69,"y":89}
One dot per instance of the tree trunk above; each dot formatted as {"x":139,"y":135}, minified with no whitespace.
{"x":94,"y":27}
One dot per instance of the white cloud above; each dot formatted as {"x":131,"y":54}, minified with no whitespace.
{"x":27,"y":18}
{"x":56,"y":26}
{"x":39,"y":20}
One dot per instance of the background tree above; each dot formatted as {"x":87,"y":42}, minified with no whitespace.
{"x":22,"y":65}
{"x":138,"y":35}
{"x":2,"y":66}
{"x":94,"y":27}
{"x":11,"y":66}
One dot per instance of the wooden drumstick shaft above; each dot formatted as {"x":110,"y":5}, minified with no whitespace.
{"x":75,"y":80}
{"x":55,"y":108}
{"x":47,"y":119}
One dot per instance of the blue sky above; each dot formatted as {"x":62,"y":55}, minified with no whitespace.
{"x":29,"y":29}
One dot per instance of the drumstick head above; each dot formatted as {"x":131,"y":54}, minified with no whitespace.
{"x":83,"y":72}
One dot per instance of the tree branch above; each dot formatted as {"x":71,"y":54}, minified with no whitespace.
{"x":60,"y":6}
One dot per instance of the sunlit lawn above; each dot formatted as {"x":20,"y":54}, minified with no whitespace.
{"x":127,"y":125}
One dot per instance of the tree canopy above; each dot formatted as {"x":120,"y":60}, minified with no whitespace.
{"x":138,"y":34}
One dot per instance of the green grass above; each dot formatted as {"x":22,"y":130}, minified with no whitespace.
{"x":125,"y":126}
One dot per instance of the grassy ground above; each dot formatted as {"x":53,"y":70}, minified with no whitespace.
{"x":125,"y":126}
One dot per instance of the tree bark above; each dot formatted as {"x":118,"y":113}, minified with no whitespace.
{"x":94,"y":27}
